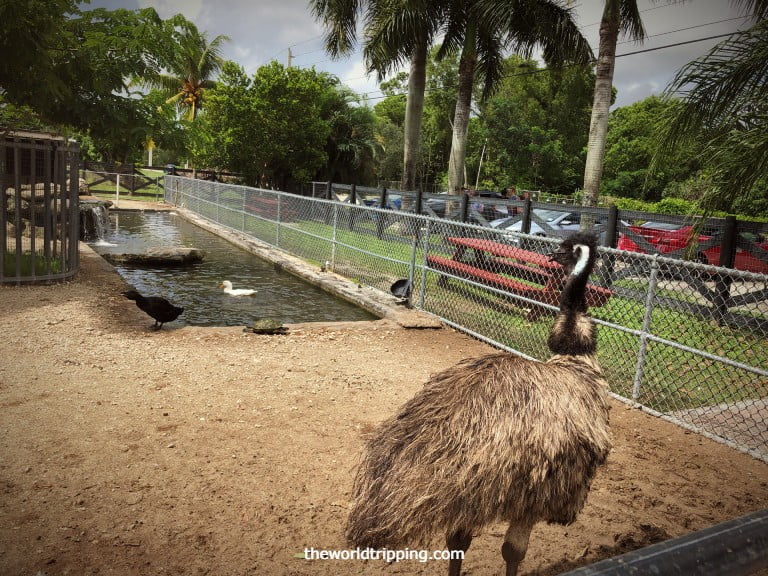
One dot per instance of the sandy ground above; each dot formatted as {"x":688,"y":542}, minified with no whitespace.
{"x":211,"y":451}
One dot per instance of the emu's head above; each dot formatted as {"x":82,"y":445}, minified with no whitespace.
{"x":577,"y":253}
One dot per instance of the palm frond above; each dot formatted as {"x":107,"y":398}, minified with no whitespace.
{"x":531,"y":23}
{"x":758,"y":9}
{"x":394,"y":29}
{"x":630,"y":21}
{"x":723,"y":98}
{"x":339,"y":19}
{"x":721,"y":85}
{"x":490,"y":61}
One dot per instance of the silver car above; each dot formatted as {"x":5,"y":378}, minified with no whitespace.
{"x":545,"y":222}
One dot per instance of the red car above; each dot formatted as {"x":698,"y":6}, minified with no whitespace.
{"x":672,"y":239}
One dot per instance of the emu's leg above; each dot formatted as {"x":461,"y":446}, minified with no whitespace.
{"x":457,"y":541}
{"x":515,"y":545}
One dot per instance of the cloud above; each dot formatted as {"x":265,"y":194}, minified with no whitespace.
{"x":167,"y":8}
{"x":262,"y":31}
{"x":357,"y":78}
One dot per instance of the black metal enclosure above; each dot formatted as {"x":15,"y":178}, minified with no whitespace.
{"x":39,"y":215}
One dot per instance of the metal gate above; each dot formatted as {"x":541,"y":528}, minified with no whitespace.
{"x":39,"y":215}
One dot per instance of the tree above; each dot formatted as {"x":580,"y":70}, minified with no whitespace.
{"x":481,"y":31}
{"x":72,"y":68}
{"x":631,"y":143}
{"x":395,"y":31}
{"x":29,"y":32}
{"x":390,"y":120}
{"x":618,"y":16}
{"x":351,"y":146}
{"x":536,"y":127}
{"x":439,"y":106}
{"x":19,"y":117}
{"x":191,"y":68}
{"x":392,"y":107}
{"x":270,"y":128}
{"x":723,"y":98}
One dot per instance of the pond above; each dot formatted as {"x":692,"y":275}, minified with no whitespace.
{"x":279,"y":295}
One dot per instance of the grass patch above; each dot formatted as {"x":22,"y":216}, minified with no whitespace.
{"x":31,"y":264}
{"x":672,"y":378}
{"x":147,"y":188}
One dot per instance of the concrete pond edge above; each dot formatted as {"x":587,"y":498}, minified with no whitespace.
{"x":381,"y":304}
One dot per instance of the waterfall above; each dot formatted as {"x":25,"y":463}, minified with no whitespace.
{"x":94,"y":221}
{"x":100,"y":221}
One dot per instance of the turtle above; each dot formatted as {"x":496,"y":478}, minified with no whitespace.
{"x":268,"y":326}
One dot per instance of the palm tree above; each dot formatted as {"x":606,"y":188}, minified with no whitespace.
{"x":192,"y":67}
{"x":396,"y":31}
{"x":618,"y":16}
{"x":722,"y":100}
{"x":482,"y":30}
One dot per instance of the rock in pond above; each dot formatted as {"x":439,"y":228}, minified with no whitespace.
{"x":179,"y":256}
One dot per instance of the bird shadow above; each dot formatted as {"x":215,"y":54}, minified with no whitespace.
{"x":645,"y":535}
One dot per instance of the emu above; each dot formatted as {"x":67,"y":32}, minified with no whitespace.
{"x":495,"y":438}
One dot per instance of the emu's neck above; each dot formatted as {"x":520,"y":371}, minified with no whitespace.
{"x":573,"y":334}
{"x":573,"y":297}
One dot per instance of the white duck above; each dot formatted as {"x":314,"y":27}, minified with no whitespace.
{"x":227,"y":285}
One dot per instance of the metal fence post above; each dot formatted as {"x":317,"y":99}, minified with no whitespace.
{"x":464,"y":208}
{"x":647,"y":317}
{"x":218,"y":207}
{"x":243,"y":209}
{"x":334,"y":237}
{"x":526,"y":225}
{"x":611,"y":241}
{"x":727,"y":258}
{"x":279,"y":222}
{"x":425,"y":252}
{"x":352,"y":202}
{"x":382,"y":217}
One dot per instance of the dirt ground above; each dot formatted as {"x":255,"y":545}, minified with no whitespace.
{"x":211,"y":451}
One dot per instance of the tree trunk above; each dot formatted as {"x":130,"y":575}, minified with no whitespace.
{"x":461,"y":116}
{"x":414,"y":111}
{"x":598,"y":127}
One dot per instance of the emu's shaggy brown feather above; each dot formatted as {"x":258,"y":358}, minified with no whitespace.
{"x":492,"y":438}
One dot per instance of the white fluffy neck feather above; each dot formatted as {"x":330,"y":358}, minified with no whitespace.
{"x":581,"y":263}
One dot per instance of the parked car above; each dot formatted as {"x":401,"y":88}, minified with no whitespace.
{"x":667,"y":237}
{"x":561,"y":223}
{"x":489,"y":211}
{"x":394,"y":201}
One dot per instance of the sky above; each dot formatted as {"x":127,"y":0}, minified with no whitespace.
{"x":266,"y":30}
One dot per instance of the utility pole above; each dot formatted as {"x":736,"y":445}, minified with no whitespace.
{"x":290,"y":57}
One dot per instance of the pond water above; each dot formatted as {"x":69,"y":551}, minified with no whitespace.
{"x":280,"y":295}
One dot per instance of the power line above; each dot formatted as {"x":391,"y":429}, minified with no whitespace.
{"x":642,"y":51}
{"x":543,"y":70}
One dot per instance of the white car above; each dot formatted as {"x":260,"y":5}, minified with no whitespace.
{"x":544,"y":222}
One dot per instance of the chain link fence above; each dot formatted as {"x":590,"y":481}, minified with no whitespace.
{"x":683,"y":339}
{"x":717,"y":241}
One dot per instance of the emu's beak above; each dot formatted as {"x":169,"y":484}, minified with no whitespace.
{"x":558,"y":256}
